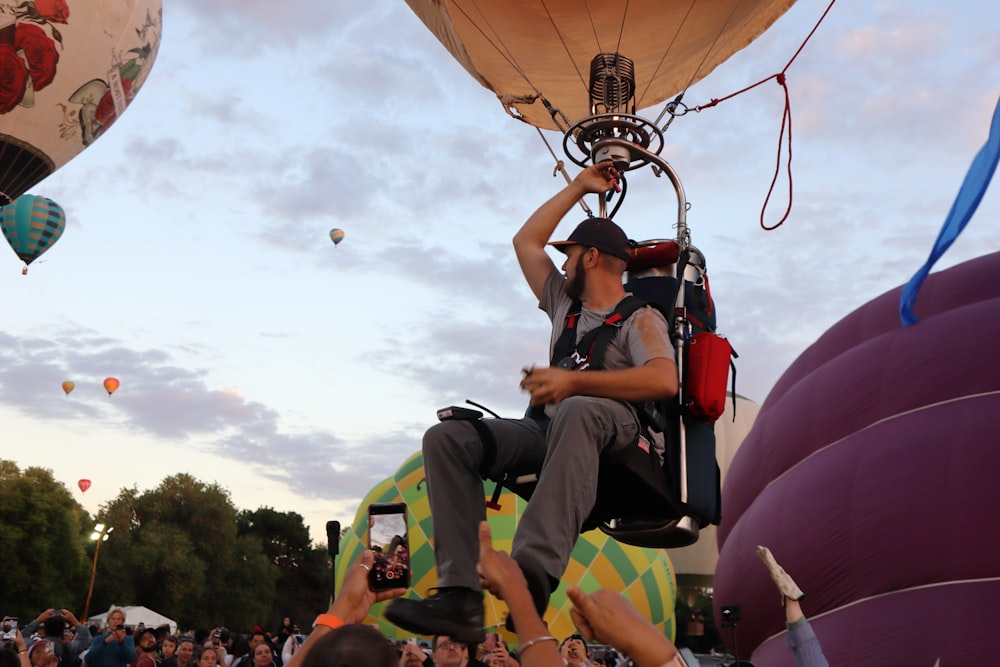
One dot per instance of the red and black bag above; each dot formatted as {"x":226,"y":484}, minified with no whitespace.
{"x":709,"y":358}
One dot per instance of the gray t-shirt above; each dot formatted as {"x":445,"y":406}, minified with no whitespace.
{"x":644,"y":336}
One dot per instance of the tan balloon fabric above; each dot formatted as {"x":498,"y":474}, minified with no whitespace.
{"x":522,"y":48}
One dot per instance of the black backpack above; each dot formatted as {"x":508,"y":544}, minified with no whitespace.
{"x":640,"y":501}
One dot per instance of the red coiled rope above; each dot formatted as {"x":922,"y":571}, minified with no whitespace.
{"x":786,"y":121}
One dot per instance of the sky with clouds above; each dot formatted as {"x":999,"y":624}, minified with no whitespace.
{"x":196,"y":266}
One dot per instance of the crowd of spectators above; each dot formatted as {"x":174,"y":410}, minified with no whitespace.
{"x":56,"y":638}
{"x":623,"y":638}
{"x":604,"y":617}
{"x":120,"y":644}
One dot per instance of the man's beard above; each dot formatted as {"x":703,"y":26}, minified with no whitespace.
{"x":574,"y":286}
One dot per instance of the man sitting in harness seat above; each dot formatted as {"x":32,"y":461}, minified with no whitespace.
{"x":575,"y":417}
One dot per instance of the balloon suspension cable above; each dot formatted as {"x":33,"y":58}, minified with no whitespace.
{"x":561,"y":168}
{"x":510,"y":102}
{"x":495,"y":39}
{"x":558,"y":117}
{"x":23,"y":166}
{"x":675,"y":108}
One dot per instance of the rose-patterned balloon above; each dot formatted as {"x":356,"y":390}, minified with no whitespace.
{"x":68,"y":69}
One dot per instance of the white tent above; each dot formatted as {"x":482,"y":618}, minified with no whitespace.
{"x":134,"y":615}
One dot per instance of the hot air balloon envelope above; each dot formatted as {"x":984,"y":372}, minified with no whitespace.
{"x":868,"y":473}
{"x":32,"y":225}
{"x":70,"y":68}
{"x":336,"y":235}
{"x":84,"y":484}
{"x":111,"y":384}
{"x":644,"y":576}
{"x":68,"y":387}
{"x":527,"y":51}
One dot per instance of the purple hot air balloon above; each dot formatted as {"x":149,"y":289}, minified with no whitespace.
{"x":870,"y":475}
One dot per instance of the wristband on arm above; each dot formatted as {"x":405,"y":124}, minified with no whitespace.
{"x":328,"y":621}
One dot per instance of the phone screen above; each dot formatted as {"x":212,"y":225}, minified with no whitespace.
{"x":388,"y":539}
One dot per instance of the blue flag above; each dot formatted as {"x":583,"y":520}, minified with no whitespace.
{"x":969,"y":196}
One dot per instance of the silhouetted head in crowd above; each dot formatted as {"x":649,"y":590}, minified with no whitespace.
{"x":9,"y":658}
{"x":352,"y":646}
{"x":54,"y":626}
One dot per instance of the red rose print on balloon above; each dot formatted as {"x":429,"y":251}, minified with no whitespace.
{"x":106,"y":114}
{"x":40,"y":52}
{"x":13,"y":78}
{"x":56,"y":11}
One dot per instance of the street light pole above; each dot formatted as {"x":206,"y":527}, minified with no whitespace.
{"x":100,"y":534}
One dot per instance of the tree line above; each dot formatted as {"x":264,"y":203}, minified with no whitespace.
{"x":182,"y":549}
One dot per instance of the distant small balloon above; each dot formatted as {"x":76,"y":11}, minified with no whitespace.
{"x":336,"y":235}
{"x":84,"y":484}
{"x":68,"y":386}
{"x":111,"y":384}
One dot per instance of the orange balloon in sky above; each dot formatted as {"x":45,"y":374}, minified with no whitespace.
{"x":110,"y":384}
{"x":84,"y":484}
{"x":68,"y":387}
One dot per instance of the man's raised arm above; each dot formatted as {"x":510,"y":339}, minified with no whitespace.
{"x":530,"y":240}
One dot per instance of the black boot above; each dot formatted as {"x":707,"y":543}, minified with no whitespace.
{"x":456,"y":612}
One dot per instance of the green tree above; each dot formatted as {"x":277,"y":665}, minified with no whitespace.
{"x":42,"y":535}
{"x":175,"y":549}
{"x":251,"y":597}
{"x":182,"y":549}
{"x":303,"y":585}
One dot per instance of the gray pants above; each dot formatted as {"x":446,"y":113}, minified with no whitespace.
{"x":567,"y":456}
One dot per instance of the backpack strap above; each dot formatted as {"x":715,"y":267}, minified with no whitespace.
{"x":566,"y":343}
{"x":595,"y":342}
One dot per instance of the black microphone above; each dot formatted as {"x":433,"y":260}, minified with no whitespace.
{"x":333,"y":537}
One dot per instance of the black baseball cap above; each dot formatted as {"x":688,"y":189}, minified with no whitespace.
{"x":600,"y":233}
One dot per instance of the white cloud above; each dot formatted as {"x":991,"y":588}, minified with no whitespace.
{"x":196,"y":258}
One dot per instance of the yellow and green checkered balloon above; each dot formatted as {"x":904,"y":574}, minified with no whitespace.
{"x":644,"y":576}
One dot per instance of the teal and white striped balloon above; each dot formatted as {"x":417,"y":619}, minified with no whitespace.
{"x":32,"y":225}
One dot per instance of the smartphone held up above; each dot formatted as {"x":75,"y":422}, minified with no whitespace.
{"x":387,"y":538}
{"x":9,"y":628}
